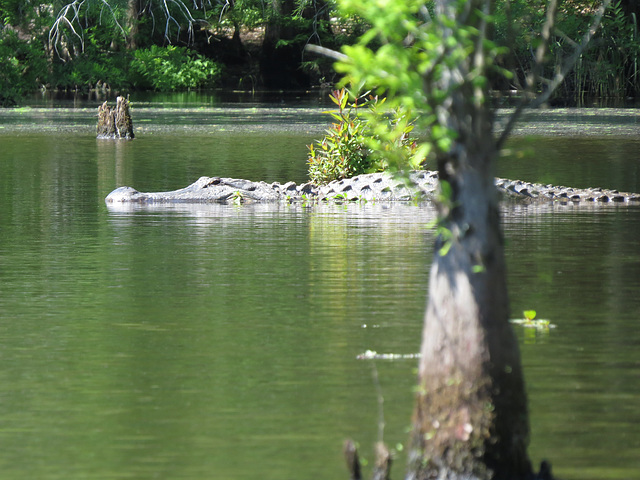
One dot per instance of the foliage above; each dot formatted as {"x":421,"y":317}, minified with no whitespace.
{"x":172,"y":68}
{"x":94,"y":39}
{"x":342,"y":153}
{"x":237,"y":198}
{"x":610,"y":68}
{"x":249,"y":13}
{"x":23,"y":67}
{"x":405,"y":74}
{"x":26,"y":14}
{"x":348,"y":148}
{"x":23,"y":59}
{"x":92,"y":67}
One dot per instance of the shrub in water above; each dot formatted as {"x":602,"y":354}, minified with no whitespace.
{"x":350,"y":147}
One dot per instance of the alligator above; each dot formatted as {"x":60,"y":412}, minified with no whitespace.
{"x":382,"y":186}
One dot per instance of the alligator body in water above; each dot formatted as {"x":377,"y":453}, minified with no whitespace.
{"x":413,"y":186}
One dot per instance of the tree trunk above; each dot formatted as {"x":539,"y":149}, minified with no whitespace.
{"x":470,"y":420}
{"x":280,"y":55}
{"x":133,"y":11}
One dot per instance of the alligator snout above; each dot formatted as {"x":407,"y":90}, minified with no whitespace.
{"x":122,"y":194}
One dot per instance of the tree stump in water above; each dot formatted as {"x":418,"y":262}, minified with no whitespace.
{"x":381,"y":468}
{"x":353,"y":461}
{"x":115,"y":122}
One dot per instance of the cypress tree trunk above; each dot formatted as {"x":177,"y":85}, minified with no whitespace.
{"x":470,"y":419}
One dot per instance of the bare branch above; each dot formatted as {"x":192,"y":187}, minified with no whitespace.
{"x":185,"y":12}
{"x":534,"y":75}
{"x":543,"y":46}
{"x":71,"y":15}
{"x":565,"y":37}
{"x":113,"y":15}
{"x":225,"y":7}
{"x":424,"y":11}
{"x":65,"y":19}
{"x":327,"y":52}
{"x":56,"y":33}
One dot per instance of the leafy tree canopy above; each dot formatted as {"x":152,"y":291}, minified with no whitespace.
{"x":97,"y":31}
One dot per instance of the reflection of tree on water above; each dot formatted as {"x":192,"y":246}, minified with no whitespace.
{"x":576,"y":267}
{"x":342,"y":239}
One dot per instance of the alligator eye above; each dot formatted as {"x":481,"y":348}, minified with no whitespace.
{"x":214,"y":181}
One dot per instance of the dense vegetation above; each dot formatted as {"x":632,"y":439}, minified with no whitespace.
{"x":354,"y":143}
{"x":151,"y":44}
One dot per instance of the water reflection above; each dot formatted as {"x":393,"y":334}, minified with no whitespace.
{"x":195,"y":341}
{"x":278,"y":293}
{"x":580,"y":267}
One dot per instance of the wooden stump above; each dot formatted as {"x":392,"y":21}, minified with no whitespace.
{"x":353,"y":462}
{"x":115,"y":122}
{"x":382,"y":467}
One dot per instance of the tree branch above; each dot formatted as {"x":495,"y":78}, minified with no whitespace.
{"x":71,"y":13}
{"x":327,"y":52}
{"x":561,"y":73}
{"x":55,"y":33}
{"x":569,"y":63}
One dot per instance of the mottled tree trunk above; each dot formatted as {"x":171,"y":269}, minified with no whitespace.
{"x":133,"y":11}
{"x":470,"y":419}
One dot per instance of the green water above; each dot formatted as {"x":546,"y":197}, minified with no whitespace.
{"x":194,"y":342}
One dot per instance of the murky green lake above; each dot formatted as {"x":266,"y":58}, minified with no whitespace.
{"x":220,"y":342}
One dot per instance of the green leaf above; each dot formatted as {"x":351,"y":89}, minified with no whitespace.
{"x":478,"y":269}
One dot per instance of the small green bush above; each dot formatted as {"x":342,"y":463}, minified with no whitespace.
{"x":172,"y":68}
{"x":351,"y":147}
